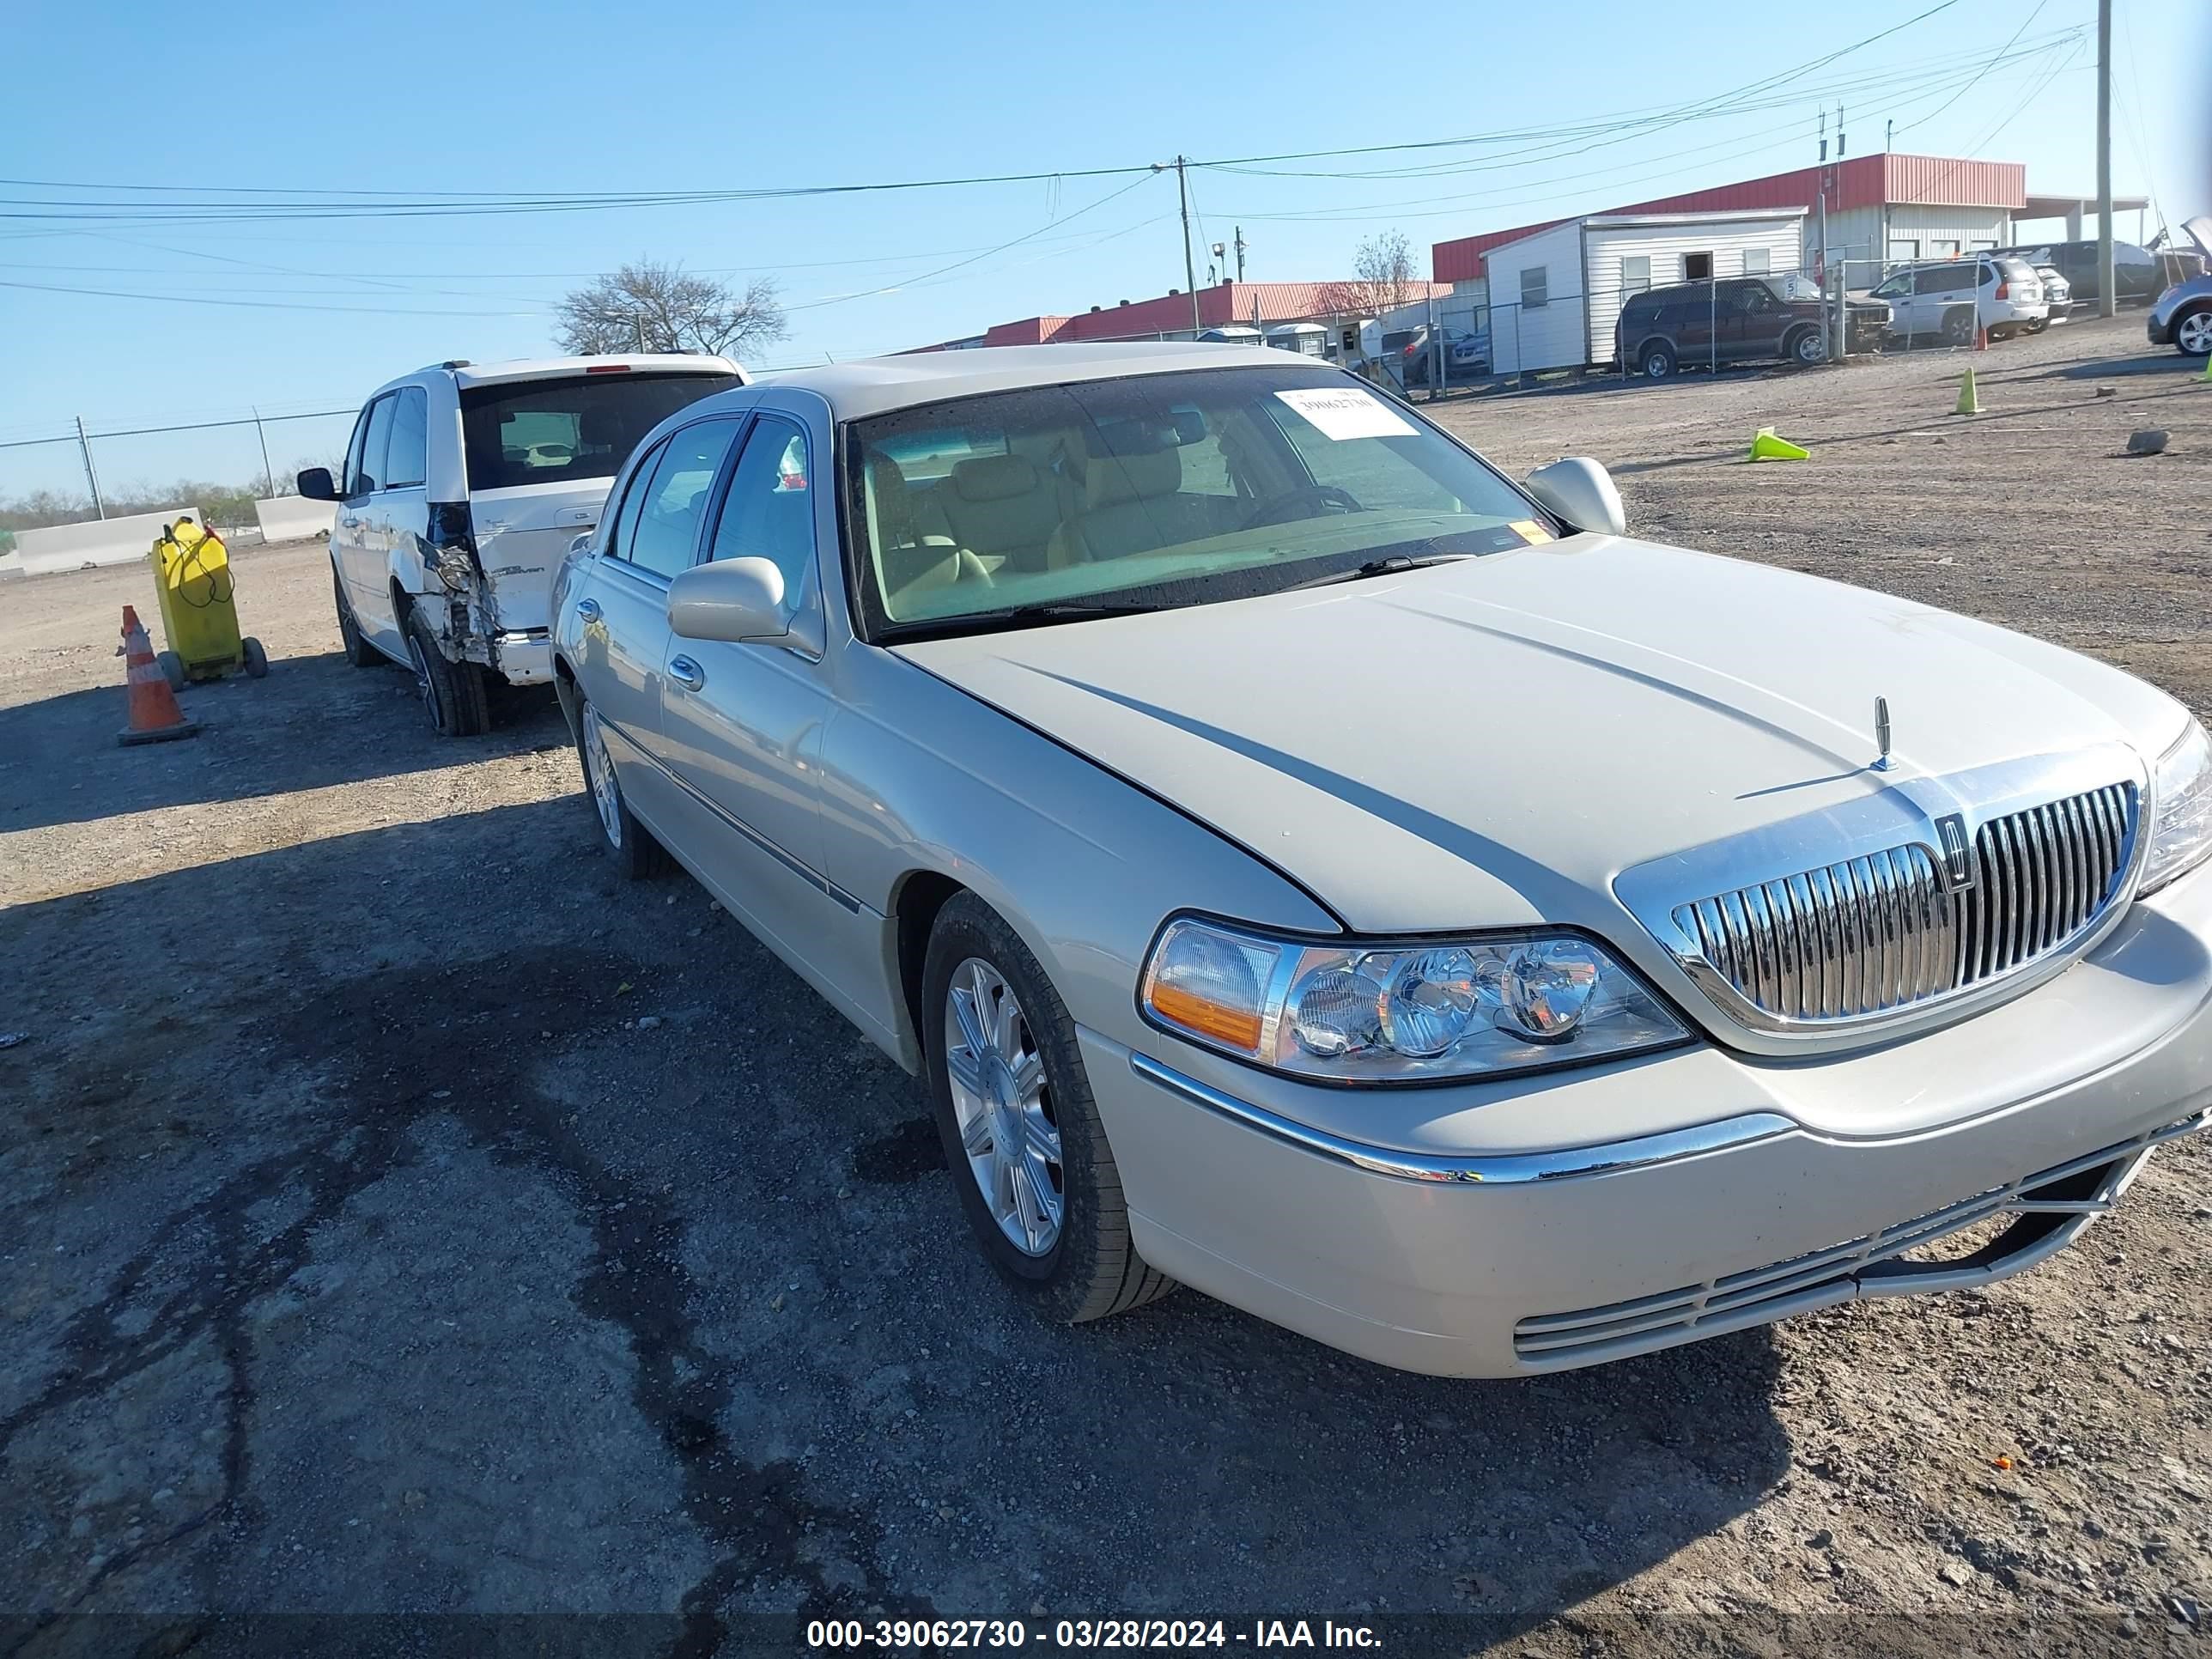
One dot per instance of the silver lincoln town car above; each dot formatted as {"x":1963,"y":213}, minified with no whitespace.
{"x":1308,"y":865}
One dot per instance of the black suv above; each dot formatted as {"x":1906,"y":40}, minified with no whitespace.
{"x":2138,"y":274}
{"x":1735,"y":319}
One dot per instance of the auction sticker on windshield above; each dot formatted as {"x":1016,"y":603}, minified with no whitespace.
{"x":1348,"y":412}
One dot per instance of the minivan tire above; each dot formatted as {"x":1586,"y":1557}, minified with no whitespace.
{"x":1091,"y":1268}
{"x":1658,"y":361}
{"x":358,"y":651}
{"x":453,"y":692}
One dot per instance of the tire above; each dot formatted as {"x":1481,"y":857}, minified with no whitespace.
{"x":1959,"y":327}
{"x":630,"y":843}
{"x":453,"y":693}
{"x":2192,"y":332}
{"x":358,"y":651}
{"x":255,"y":660}
{"x":1807,"y":346}
{"x":1657,"y":361}
{"x":172,"y":668}
{"x":1088,"y":1266}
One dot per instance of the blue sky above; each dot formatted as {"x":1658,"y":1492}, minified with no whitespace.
{"x":564,"y":97}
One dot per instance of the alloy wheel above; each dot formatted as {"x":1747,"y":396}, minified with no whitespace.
{"x":601,"y":765}
{"x":2195,"y":334}
{"x":1002,"y":1103}
{"x":425,"y":687}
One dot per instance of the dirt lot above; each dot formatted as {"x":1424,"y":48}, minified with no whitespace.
{"x":364,"y":1250}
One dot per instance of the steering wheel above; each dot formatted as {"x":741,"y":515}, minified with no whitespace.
{"x":1301,"y":503}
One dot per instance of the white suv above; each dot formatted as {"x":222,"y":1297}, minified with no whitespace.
{"x":1951,"y":300}
{"x":462,"y":488}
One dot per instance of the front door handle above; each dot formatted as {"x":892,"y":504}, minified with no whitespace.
{"x":686,"y":673}
{"x":588,"y":610}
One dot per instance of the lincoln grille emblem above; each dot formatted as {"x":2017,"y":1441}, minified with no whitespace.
{"x":1957,"y":865}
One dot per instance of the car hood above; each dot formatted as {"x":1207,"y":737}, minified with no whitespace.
{"x":1489,"y":742}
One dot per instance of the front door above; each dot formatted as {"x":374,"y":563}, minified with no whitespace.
{"x":356,"y":533}
{"x":742,"y":720}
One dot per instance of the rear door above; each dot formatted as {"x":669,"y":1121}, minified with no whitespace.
{"x":743,"y":722}
{"x":1689,"y":323}
{"x":623,"y":604}
{"x":539,"y":455}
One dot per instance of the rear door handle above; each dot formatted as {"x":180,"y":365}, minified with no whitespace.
{"x":686,"y":673}
{"x":588,"y":610}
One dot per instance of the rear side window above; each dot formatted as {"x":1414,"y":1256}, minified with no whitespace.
{"x":665,"y":532}
{"x":402,"y":455}
{"x":561,"y":431}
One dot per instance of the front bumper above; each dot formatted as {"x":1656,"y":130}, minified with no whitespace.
{"x":1752,"y":1192}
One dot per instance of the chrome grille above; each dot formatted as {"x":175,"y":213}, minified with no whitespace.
{"x":1890,"y":928}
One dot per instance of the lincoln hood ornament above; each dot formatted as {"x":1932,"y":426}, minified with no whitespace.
{"x":1881,"y":761}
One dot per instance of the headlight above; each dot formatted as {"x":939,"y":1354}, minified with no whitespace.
{"x":1424,"y":1011}
{"x":2181,"y":811}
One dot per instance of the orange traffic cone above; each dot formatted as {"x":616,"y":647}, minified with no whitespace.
{"x":1981,"y":338}
{"x":155,"y":714}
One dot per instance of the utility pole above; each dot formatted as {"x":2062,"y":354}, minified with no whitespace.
{"x":1840,"y":341}
{"x":1189,"y":266}
{"x":268,"y":472}
{"x":2108,"y":300}
{"x":1239,"y":246}
{"x":83,"y":443}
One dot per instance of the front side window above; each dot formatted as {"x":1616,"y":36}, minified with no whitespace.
{"x":1535,"y":287}
{"x":768,"y":512}
{"x":1159,"y":492}
{"x":560,"y":431}
{"x":351,"y":485}
{"x":665,"y":532}
{"x":379,"y":437}
{"x":404,"y":451}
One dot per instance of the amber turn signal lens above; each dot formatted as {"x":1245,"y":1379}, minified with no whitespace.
{"x":1237,"y":1027}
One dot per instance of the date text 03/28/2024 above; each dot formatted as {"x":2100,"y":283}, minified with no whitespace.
{"x":828,"y":1635}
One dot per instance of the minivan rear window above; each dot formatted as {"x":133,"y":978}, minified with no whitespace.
{"x":527,"y":431}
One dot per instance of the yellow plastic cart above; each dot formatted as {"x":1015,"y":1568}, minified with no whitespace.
{"x":192,"y":578}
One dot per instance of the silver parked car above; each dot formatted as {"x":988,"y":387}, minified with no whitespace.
{"x":1308,"y":865}
{"x":2182,"y":316}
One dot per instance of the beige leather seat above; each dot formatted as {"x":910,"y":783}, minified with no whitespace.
{"x":1002,"y":507}
{"x":913,"y":565}
{"x":1134,"y":504}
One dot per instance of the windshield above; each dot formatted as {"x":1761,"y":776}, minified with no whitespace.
{"x":1157,"y":491}
{"x":528,"y":432}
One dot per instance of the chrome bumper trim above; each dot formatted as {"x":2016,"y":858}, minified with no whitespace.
{"x":1488,"y":1170}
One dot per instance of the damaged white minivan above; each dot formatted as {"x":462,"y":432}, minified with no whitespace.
{"x":463,"y":486}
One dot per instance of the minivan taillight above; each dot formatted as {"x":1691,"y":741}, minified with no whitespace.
{"x":452,"y":539}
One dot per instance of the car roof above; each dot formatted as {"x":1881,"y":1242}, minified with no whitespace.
{"x":877,"y":386}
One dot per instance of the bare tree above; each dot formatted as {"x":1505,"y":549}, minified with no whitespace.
{"x":1384,"y":279}
{"x":652,"y":307}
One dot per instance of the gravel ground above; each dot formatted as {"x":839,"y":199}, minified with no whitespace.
{"x":400,"y":1215}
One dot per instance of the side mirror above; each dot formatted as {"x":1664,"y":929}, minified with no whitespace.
{"x":315,"y":484}
{"x":1580,"y":491}
{"x":729,"y":599}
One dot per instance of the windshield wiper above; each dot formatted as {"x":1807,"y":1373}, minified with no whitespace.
{"x":1020,"y":616}
{"x":1389,"y":567}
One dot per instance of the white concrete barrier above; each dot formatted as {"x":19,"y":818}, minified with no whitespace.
{"x":96,"y":541}
{"x":290,"y":518}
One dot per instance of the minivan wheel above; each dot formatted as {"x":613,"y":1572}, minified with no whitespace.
{"x":1022,"y":1134}
{"x":358,"y":651}
{"x":631,"y":844}
{"x":1658,"y":361}
{"x":1810,"y":346}
{"x":2192,"y":334}
{"x":453,"y":693}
